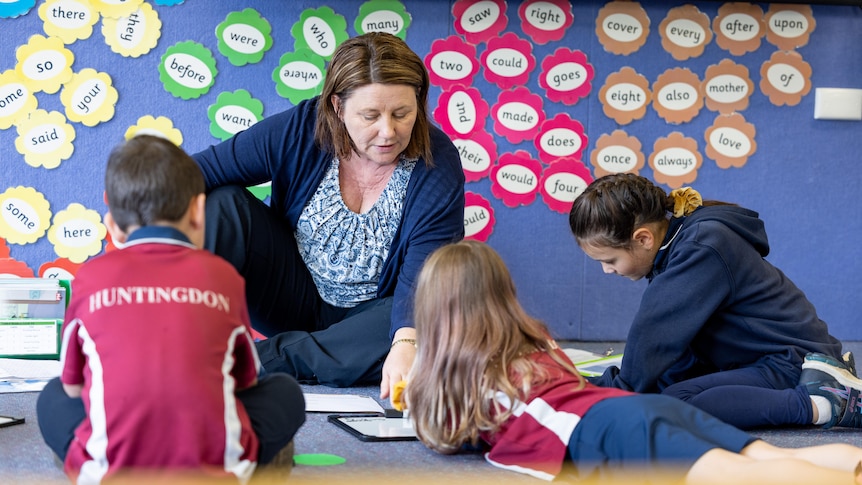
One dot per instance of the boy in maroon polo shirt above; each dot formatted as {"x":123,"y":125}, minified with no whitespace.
{"x":159,"y":368}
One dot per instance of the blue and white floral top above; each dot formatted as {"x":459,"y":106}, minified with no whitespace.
{"x":343,"y":250}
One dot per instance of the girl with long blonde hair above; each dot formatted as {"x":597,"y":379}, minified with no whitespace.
{"x":488,"y":374}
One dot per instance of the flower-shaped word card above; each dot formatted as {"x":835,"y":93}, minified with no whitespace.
{"x":187,"y":70}
{"x":727,"y":87}
{"x":299,"y":75}
{"x":515,"y":178}
{"x":44,"y":63}
{"x":560,"y":137}
{"x":625,"y":96}
{"x":478,"y":153}
{"x":383,"y":16}
{"x":461,"y":111}
{"x":785,"y":78}
{"x":566,"y":76}
{"x":90,"y":97}
{"x":675,"y":160}
{"x":25,"y":215}
{"x":730,"y":141}
{"x":479,"y":21}
{"x":451,"y":62}
{"x":233,"y":112}
{"x":320,"y":30}
{"x":739,"y":27}
{"x":789,"y":26}
{"x":135,"y":34}
{"x":161,"y":126}
{"x":77,"y":233}
{"x":562,"y":182}
{"x":545,"y":20}
{"x":518,"y":114}
{"x":617,"y":153}
{"x":677,"y":97}
{"x":15,"y":8}
{"x":17,"y":100}
{"x":244,"y":37}
{"x":115,"y":8}
{"x":685,"y":32}
{"x":60,"y":269}
{"x":68,"y":20}
{"x":622,"y":27}
{"x":478,"y":217}
{"x":508,"y":61}
{"x":45,"y":139}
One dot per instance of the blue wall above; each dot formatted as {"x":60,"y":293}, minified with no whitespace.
{"x":803,"y":179}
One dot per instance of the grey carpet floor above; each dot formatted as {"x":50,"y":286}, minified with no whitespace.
{"x":24,"y":458}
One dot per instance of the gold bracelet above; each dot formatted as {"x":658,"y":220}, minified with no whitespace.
{"x":411,"y":341}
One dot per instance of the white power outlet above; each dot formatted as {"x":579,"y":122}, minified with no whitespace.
{"x":837,"y":104}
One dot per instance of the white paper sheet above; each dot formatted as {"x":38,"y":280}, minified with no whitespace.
{"x":26,"y":375}
{"x":341,"y":403}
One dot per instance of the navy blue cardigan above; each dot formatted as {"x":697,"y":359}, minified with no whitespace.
{"x":281,"y":148}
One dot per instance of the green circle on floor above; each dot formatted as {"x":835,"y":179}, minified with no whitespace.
{"x":318,"y":459}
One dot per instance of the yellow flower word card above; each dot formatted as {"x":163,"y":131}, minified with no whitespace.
{"x":161,"y":126}
{"x":24,"y":215}
{"x":45,"y":139}
{"x":45,"y":63}
{"x":77,"y":233}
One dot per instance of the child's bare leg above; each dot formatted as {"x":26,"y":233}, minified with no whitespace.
{"x":719,"y":466}
{"x":838,"y":456}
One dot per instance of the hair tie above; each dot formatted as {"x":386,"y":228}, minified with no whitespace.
{"x":685,"y":201}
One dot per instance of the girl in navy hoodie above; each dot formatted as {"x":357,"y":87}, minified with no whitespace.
{"x":718,"y":326}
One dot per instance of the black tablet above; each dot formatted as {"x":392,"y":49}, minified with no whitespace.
{"x":373,"y":427}
{"x":10,"y":421}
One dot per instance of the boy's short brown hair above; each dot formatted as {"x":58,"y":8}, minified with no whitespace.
{"x":149,"y":179}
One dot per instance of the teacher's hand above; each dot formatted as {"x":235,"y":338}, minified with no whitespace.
{"x":399,"y":360}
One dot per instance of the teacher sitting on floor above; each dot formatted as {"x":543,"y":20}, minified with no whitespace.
{"x":363,"y":189}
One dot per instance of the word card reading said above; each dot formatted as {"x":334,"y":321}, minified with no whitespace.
{"x":45,"y":139}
